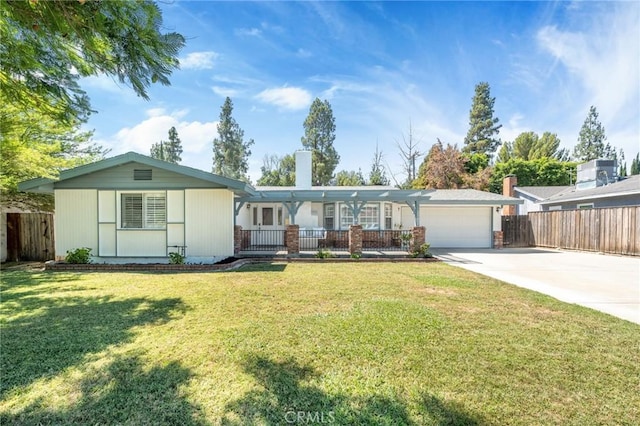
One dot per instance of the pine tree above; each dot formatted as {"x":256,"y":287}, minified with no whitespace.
{"x":377,"y":176}
{"x":483,"y":126}
{"x":230,"y":151}
{"x":168,"y":150}
{"x":635,"y":166}
{"x":319,"y":135}
{"x":591,"y":141}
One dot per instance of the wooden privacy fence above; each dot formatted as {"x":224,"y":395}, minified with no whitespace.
{"x":30,"y":236}
{"x":607,"y":230}
{"x":516,"y":231}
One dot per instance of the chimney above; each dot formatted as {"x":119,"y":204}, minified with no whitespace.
{"x":508,"y":184}
{"x":303,"y":169}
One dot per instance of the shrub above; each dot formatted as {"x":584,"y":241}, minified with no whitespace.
{"x":79,"y":255}
{"x":176,"y":258}
{"x":356,"y":255}
{"x":422,"y":251}
{"x":324,"y":254}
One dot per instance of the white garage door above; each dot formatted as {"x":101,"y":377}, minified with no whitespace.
{"x":457,"y":227}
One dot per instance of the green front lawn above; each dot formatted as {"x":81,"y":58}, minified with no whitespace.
{"x":303,"y":343}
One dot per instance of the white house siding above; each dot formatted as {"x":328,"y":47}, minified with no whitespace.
{"x":142,"y":243}
{"x":175,"y":219}
{"x":209,"y":222}
{"x":76,"y":220}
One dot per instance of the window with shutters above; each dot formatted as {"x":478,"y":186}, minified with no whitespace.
{"x":143,"y":211}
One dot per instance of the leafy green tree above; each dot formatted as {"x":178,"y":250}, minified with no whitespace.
{"x":377,"y":175}
{"x":505,"y":153}
{"x":349,"y":178}
{"x":33,"y":145}
{"x":45,"y":48}
{"x":168,"y":150}
{"x":547,"y":147}
{"x":528,"y":146}
{"x":278,"y":171}
{"x":319,"y":135}
{"x":635,"y":166}
{"x":539,"y":172}
{"x":230,"y":151}
{"x":483,"y":126}
{"x":591,"y":141}
{"x":47,"y":45}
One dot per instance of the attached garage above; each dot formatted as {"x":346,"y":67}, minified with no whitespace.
{"x":455,"y":226}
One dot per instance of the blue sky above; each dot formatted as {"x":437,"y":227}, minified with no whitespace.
{"x":382,"y":66}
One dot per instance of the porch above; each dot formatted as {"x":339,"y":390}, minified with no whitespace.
{"x":296,"y":240}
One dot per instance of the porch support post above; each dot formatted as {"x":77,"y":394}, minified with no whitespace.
{"x":292,"y":207}
{"x":239,"y":205}
{"x":356,"y":208}
{"x":415,"y":208}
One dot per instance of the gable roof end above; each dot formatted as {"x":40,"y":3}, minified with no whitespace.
{"x":46,"y":185}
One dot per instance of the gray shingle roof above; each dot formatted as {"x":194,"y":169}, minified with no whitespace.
{"x":541,"y":192}
{"x":629,"y":186}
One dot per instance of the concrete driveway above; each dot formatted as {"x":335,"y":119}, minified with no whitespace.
{"x":607,"y":283}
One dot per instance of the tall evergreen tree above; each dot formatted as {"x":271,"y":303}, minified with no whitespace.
{"x":378,"y":176}
{"x":168,"y":150}
{"x":635,"y":166}
{"x":483,"y":126}
{"x":319,"y":135}
{"x":591,"y":141}
{"x":230,"y":151}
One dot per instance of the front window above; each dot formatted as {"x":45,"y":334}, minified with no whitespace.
{"x":143,"y":211}
{"x":369,"y":217}
{"x":387,"y":216}
{"x":329,"y":215}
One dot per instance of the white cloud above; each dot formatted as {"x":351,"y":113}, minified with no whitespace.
{"x":224,"y":91}
{"x":198,"y":60}
{"x":196,"y":136}
{"x":293,"y":98}
{"x":603,"y":55}
{"x":248,"y":32}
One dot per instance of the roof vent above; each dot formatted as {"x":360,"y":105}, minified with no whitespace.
{"x":142,"y":174}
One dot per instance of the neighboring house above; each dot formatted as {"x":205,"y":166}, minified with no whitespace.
{"x":135,"y":208}
{"x":597,"y":186}
{"x":625,"y":192}
{"x":533,"y":195}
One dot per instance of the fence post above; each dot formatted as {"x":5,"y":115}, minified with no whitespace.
{"x":292,"y":239}
{"x":355,"y":239}
{"x":417,"y":237}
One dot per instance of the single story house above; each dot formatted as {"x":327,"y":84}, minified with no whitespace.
{"x":597,"y":186}
{"x":134,"y":208}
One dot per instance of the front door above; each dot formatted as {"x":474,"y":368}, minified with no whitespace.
{"x":268,"y":227}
